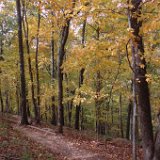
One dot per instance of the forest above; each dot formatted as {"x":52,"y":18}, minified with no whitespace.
{"x":87,"y":68}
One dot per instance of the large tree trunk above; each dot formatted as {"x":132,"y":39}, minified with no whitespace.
{"x":24,"y":118}
{"x":141,"y":85}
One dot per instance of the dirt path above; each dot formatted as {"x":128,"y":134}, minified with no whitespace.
{"x":69,"y":148}
{"x":57,"y":143}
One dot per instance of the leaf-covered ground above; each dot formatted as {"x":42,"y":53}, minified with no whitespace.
{"x":14,"y":146}
{"x":43,"y":143}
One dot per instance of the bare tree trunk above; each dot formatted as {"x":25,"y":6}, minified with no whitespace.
{"x":24,"y":118}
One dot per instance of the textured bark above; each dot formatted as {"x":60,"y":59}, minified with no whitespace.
{"x":24,"y":118}
{"x":141,"y":85}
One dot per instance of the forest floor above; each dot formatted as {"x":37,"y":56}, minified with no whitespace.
{"x":43,"y":143}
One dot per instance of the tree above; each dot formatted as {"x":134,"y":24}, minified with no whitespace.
{"x":61,"y":52}
{"x":36,"y":63}
{"x":53,"y":120}
{"x":81,"y":79}
{"x":140,"y":83}
{"x":24,"y":118}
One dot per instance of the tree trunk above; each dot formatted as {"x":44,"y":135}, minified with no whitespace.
{"x":61,"y":53}
{"x":134,"y":117}
{"x":7,"y":108}
{"x":1,"y":42}
{"x":17,"y":98}
{"x":26,"y":32}
{"x":70,"y":112}
{"x":129,"y":120}
{"x":53,"y":119}
{"x":79,"y":107}
{"x":157,"y":141}
{"x":1,"y":59}
{"x":120,"y":116}
{"x":1,"y":99}
{"x":36,"y":66}
{"x":141,"y":85}
{"x":24,"y":118}
{"x":97,"y":105}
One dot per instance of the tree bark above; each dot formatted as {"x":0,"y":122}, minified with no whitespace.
{"x":24,"y":118}
{"x":141,"y":85}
